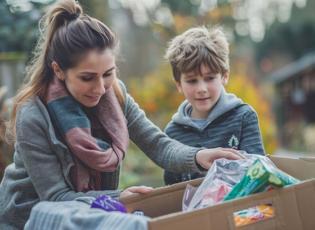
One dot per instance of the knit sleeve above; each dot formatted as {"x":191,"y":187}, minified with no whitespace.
{"x":251,"y":140}
{"x":165,"y":152}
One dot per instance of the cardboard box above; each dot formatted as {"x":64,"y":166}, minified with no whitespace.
{"x":294,"y":206}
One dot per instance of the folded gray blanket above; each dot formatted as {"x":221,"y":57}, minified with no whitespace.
{"x":78,"y":215}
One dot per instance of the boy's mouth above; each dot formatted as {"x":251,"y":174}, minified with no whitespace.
{"x":202,"y":99}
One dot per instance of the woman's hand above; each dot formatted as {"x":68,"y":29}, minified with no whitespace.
{"x":206,"y":157}
{"x":135,"y":189}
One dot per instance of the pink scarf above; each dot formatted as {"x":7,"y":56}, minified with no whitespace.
{"x":91,"y":155}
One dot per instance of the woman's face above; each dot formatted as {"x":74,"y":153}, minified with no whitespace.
{"x":88,"y":81}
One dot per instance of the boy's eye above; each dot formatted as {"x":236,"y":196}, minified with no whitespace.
{"x":191,"y":81}
{"x":209,"y":78}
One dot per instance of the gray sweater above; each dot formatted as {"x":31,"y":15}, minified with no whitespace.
{"x":77,"y":215}
{"x":41,"y":164}
{"x":230,"y":124}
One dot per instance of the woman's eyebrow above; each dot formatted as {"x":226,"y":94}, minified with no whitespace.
{"x":110,"y":69}
{"x":93,"y":73}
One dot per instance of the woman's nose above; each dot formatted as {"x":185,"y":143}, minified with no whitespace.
{"x":99,"y":87}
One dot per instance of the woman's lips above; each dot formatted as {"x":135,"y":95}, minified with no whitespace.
{"x":93,"y":98}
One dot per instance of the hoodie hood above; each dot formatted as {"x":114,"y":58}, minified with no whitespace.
{"x":226,"y":102}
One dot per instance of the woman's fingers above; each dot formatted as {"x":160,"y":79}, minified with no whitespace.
{"x":140,"y":189}
{"x":135,"y":189}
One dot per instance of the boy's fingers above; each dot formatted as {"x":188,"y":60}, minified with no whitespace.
{"x":232,"y":155}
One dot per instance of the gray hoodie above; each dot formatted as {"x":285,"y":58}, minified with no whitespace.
{"x":231,"y":123}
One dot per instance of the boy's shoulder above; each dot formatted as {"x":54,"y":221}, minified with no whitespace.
{"x":170,"y":125}
{"x":240,"y":112}
{"x":244,"y":108}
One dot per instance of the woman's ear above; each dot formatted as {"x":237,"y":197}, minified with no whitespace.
{"x":57,"y":71}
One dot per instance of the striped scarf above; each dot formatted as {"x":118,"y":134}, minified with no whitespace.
{"x":92,"y":155}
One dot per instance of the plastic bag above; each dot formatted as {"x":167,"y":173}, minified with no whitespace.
{"x":259,"y":177}
{"x":221,"y":177}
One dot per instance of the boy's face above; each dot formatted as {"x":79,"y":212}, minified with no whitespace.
{"x":202,"y":90}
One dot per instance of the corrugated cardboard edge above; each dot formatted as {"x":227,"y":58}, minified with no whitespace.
{"x":294,"y":205}
{"x":299,"y":167}
{"x":289,"y":211}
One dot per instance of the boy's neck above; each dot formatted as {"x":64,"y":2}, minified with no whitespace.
{"x":199,"y":116}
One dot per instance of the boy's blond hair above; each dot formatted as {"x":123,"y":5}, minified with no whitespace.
{"x":196,"y":46}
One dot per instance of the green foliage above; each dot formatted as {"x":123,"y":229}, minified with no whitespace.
{"x":18,"y":28}
{"x":12,"y":56}
{"x":183,"y":7}
{"x":157,"y":94}
{"x":292,"y":39}
{"x":138,"y":169}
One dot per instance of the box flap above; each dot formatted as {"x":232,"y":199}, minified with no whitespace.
{"x":160,"y":201}
{"x":300,"y":167}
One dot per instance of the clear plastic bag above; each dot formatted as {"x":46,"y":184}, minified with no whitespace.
{"x":221,"y":177}
{"x":261,"y":176}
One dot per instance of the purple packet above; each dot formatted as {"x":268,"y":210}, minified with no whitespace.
{"x":108,"y":204}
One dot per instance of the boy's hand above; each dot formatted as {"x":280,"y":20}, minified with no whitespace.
{"x":206,"y":157}
{"x":135,"y":189}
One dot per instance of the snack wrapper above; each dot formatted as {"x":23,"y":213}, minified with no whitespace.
{"x":260,"y":177}
{"x":108,"y":204}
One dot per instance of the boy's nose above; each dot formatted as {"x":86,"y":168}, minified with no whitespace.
{"x":202,"y":87}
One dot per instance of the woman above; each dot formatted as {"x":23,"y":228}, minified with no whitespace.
{"x":73,"y":120}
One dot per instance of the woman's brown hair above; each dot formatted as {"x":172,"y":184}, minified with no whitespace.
{"x":66,"y":35}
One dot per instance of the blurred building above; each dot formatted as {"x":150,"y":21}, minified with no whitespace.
{"x":294,"y":103}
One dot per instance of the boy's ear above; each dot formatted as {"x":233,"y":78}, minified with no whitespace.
{"x":57,"y":71}
{"x":225,"y":78}
{"x":178,"y":86}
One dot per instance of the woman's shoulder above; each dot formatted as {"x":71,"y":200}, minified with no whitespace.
{"x":122,"y":86}
{"x":32,"y":111}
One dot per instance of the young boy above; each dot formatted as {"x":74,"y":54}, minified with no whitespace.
{"x":209,"y":117}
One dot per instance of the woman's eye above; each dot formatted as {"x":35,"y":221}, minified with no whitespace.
{"x":86,"y":78}
{"x":107,"y":74}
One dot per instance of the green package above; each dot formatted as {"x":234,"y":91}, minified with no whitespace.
{"x":259,"y":177}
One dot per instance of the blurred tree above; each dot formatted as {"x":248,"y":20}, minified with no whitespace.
{"x":183,"y":7}
{"x":244,"y":17}
{"x":285,"y":42}
{"x":157,"y":94}
{"x":97,"y":8}
{"x":18,"y":24}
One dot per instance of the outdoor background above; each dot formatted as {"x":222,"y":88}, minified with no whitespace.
{"x":272,"y":45}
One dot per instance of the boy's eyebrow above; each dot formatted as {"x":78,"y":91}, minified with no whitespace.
{"x":193,"y":74}
{"x":189,"y":75}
